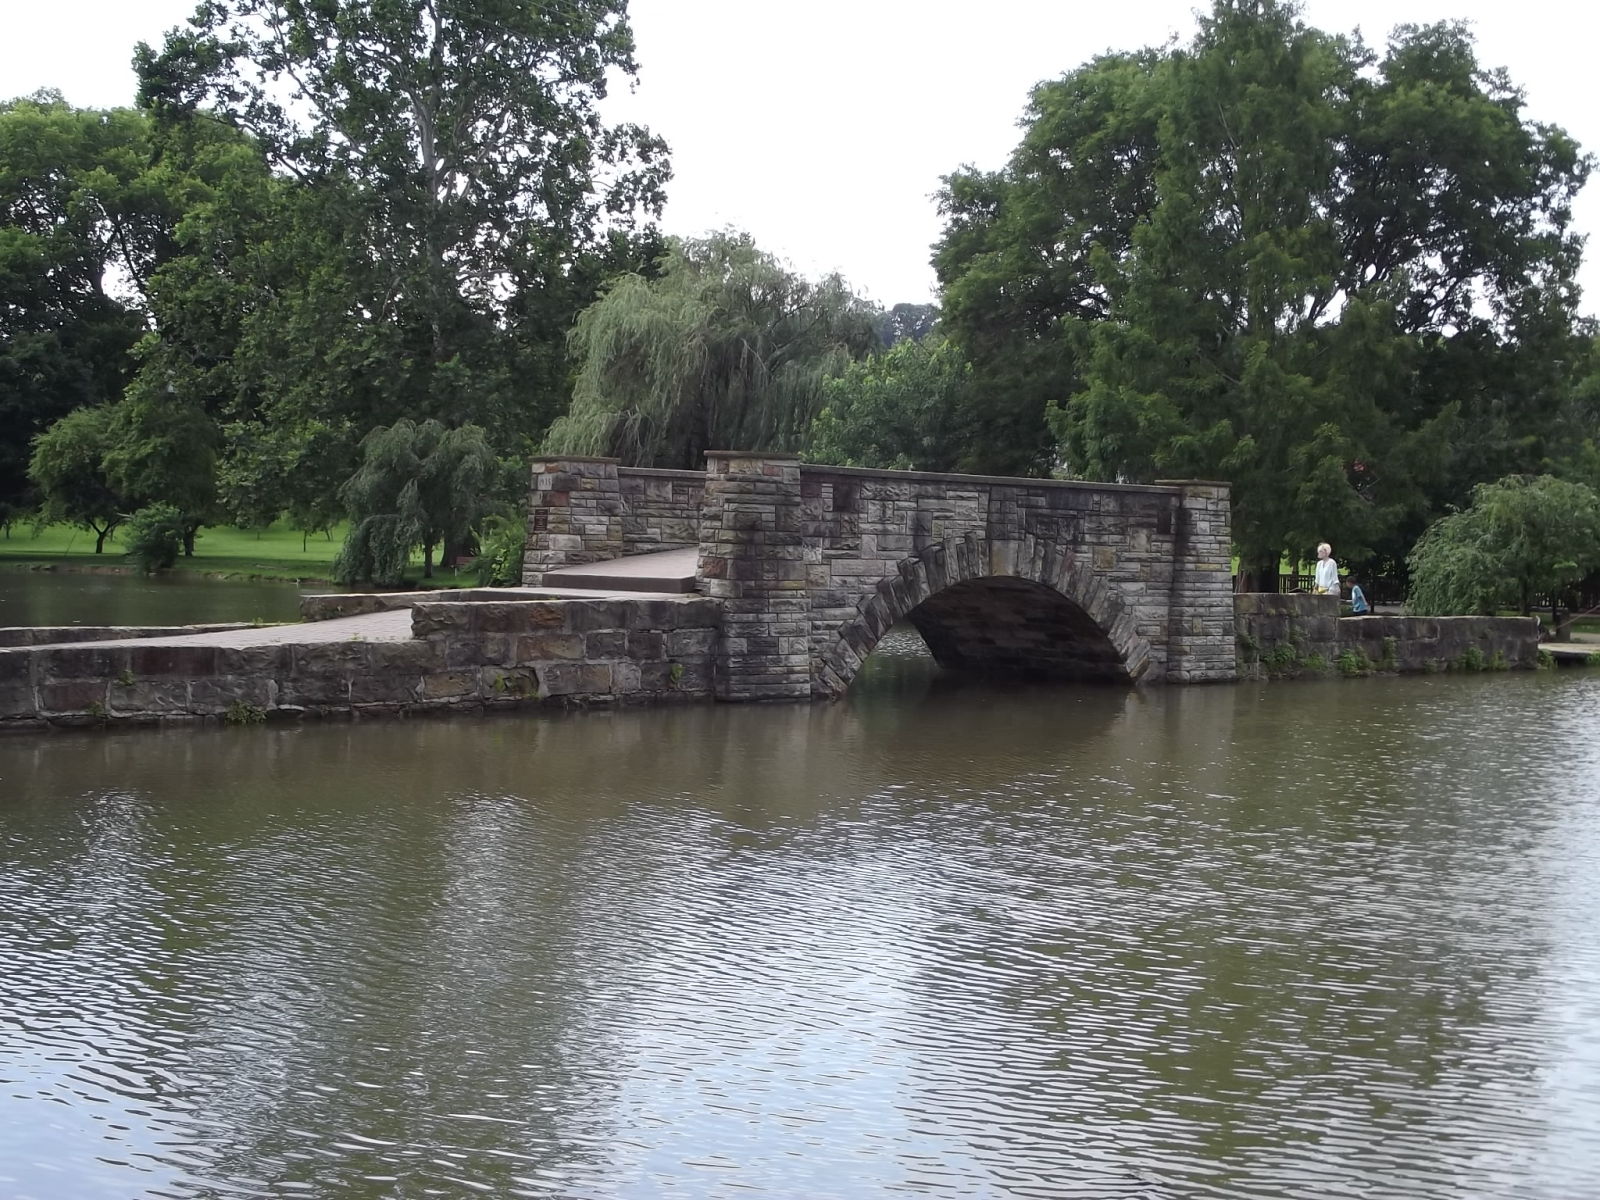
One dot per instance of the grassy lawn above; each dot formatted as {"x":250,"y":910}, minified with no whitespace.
{"x":272,"y":553}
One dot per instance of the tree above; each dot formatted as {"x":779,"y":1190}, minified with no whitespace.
{"x":68,"y":467}
{"x":457,"y":161}
{"x":83,"y":220}
{"x":1275,"y":257}
{"x":163,"y":450}
{"x":1522,"y":537}
{"x":899,"y":410}
{"x":419,"y":485}
{"x":726,"y":349}
{"x":907,"y":322}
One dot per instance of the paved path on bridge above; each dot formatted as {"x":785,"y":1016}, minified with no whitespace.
{"x":662,"y":571}
{"x":393,"y":626}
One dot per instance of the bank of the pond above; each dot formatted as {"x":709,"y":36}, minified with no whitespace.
{"x":274,"y":553}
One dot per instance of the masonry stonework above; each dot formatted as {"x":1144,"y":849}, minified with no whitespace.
{"x":575,"y":515}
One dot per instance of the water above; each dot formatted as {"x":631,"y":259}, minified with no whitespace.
{"x":70,"y":598}
{"x":1294,"y":940}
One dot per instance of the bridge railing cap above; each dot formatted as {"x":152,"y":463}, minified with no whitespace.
{"x":1221,"y":483}
{"x":778,"y":455}
{"x":583,"y":458}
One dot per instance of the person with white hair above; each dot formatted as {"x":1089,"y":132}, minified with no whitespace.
{"x":1326,"y":580}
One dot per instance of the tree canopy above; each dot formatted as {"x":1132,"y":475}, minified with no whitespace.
{"x":419,"y":485}
{"x":1335,"y":276}
{"x":726,"y":348}
{"x":1521,"y":538}
{"x":469,"y":195}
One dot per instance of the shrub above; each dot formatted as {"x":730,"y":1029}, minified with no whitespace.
{"x":154,"y":537}
{"x":500,"y":548}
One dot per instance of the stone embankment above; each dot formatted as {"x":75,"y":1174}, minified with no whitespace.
{"x":430,"y":655}
{"x":1288,"y":636}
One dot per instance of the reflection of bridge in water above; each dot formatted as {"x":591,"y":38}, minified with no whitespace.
{"x":814,"y":564}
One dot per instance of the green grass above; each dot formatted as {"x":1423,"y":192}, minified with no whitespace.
{"x":272,"y":553}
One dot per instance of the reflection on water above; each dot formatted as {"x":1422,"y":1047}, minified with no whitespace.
{"x":69,"y":598}
{"x":1307,"y":940}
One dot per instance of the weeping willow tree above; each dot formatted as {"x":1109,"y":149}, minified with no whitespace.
{"x":726,"y":349}
{"x":418,"y":485}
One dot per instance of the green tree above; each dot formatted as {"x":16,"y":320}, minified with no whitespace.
{"x":899,"y":410}
{"x":1522,"y":537}
{"x":154,"y":536}
{"x":419,"y":485}
{"x":726,"y":349}
{"x":68,"y":467}
{"x":163,"y":449}
{"x":1276,"y":257}
{"x":84,"y":218}
{"x":460,"y":176}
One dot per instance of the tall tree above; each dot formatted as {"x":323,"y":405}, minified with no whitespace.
{"x":84,"y":218}
{"x":726,"y":349}
{"x":1276,"y":257}
{"x":480,"y":186}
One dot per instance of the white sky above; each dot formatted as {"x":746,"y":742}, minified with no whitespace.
{"x":823,"y":128}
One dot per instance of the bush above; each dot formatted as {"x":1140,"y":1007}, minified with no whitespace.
{"x":154,"y":537}
{"x":500,"y":547}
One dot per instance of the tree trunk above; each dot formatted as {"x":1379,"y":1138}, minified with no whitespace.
{"x":427,"y":560}
{"x":100,"y":539}
{"x":188,"y":539}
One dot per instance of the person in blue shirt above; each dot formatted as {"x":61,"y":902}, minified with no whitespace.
{"x":1358,"y":601}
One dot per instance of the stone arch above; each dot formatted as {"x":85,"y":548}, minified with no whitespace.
{"x":971,"y":560}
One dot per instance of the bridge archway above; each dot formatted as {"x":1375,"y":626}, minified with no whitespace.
{"x":1024,"y":607}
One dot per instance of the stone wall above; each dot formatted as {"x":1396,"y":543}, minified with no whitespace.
{"x":575,"y":515}
{"x":1300,"y":635}
{"x":481,"y":655}
{"x":660,"y":509}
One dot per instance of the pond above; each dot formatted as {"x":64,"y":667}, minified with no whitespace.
{"x":938,"y":939}
{"x":73,"y":598}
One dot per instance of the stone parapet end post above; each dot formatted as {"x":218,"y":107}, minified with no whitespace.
{"x":1200,"y":622}
{"x":576,"y":514}
{"x":753,"y":559}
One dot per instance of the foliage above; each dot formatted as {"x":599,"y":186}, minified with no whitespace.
{"x":418,"y":485}
{"x":907,"y":322}
{"x":155,"y":536}
{"x":68,"y":467}
{"x":1521,"y":537}
{"x":1341,"y":279}
{"x":241,"y":712}
{"x":501,"y":543}
{"x":726,"y":349}
{"x":83,"y":219}
{"x":443,"y":197}
{"x":897,"y":410}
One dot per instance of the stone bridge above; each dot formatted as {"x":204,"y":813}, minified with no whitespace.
{"x":813,"y":565}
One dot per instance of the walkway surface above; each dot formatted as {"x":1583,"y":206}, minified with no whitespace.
{"x":663,"y":571}
{"x":392,"y":626}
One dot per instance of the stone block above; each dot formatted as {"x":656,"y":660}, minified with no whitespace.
{"x":170,"y":694}
{"x":213,"y":697}
{"x":384,"y":687}
{"x":16,"y":700}
{"x":605,"y":644}
{"x":449,"y":685}
{"x":646,"y":646}
{"x":586,"y":616}
{"x":544,"y":647}
{"x":574,"y":679}
{"x":189,"y":661}
{"x":73,"y":696}
{"x":82,"y":662}
{"x":690,"y":643}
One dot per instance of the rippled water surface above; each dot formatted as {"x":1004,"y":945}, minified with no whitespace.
{"x":1302,"y":940}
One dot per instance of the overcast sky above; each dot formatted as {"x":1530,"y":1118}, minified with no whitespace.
{"x":823,"y":128}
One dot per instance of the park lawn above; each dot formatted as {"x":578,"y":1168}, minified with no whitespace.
{"x":272,"y":553}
